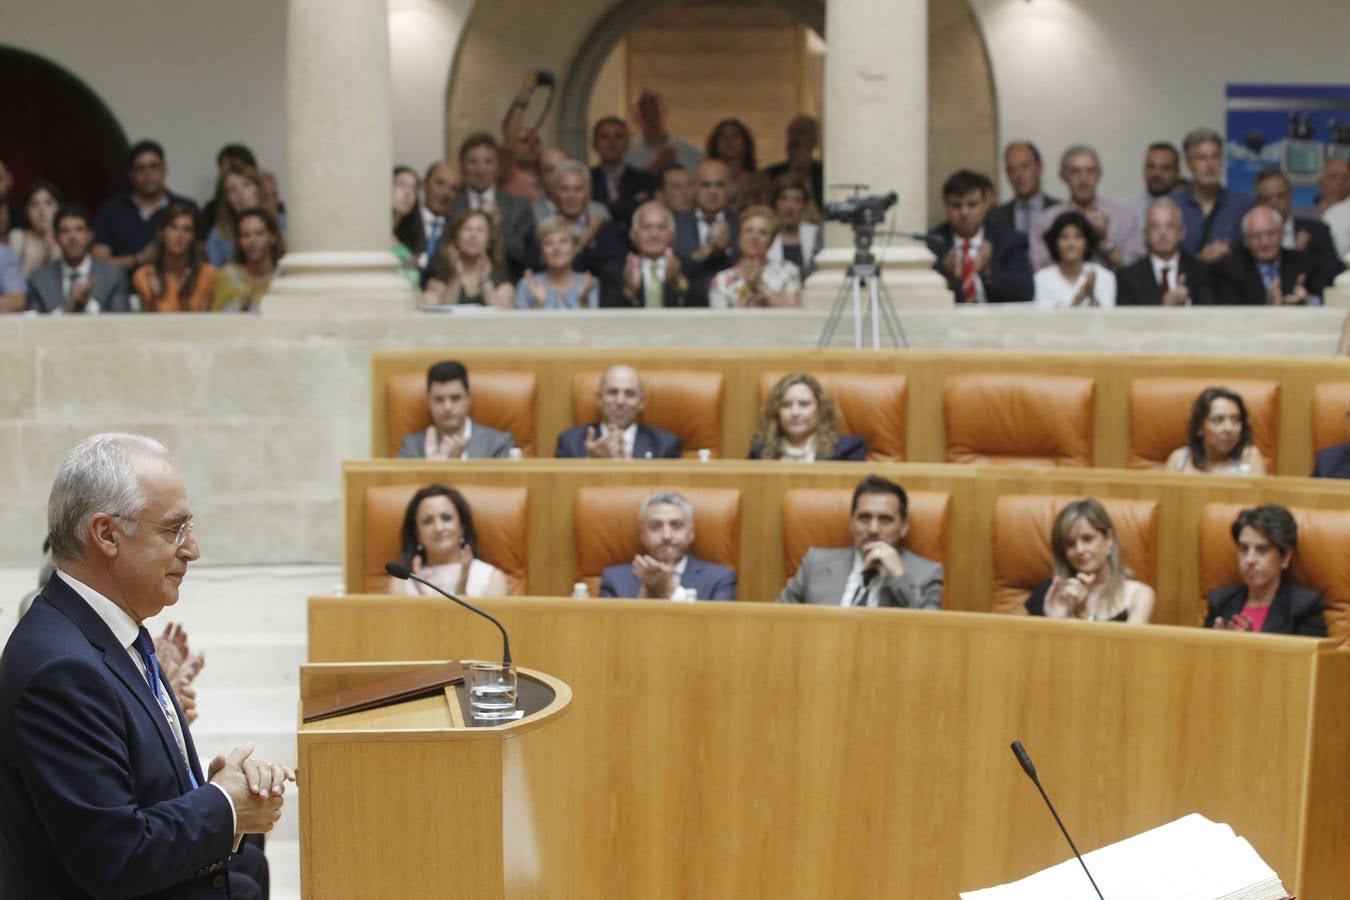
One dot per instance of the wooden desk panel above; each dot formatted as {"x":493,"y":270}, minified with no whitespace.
{"x":755,"y":750}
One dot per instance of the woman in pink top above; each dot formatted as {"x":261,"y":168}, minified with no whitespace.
{"x":1267,"y":600}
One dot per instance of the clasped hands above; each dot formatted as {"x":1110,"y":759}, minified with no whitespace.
{"x":608,"y":447}
{"x":1067,"y":597}
{"x":659,"y":580}
{"x":882,"y":558}
{"x":255,"y":788}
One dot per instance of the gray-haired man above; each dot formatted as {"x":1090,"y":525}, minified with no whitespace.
{"x":666,"y":570}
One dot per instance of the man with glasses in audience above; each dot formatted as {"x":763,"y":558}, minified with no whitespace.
{"x":1119,"y":232}
{"x":124,"y":230}
{"x":1263,"y":272}
{"x":665,"y":569}
{"x":1167,"y":276}
{"x":1302,"y":234}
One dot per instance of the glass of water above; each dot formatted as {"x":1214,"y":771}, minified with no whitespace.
{"x":492,"y":691}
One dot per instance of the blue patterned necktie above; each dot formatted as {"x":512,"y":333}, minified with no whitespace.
{"x":146,"y":646}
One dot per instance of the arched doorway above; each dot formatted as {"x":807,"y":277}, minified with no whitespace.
{"x":58,"y":129}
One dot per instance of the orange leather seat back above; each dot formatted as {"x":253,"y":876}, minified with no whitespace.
{"x":1160,"y":411}
{"x":607,"y":529}
{"x":1023,"y":557}
{"x":685,"y":402}
{"x":501,"y":400}
{"x":1016,"y":419}
{"x":1330,"y":403}
{"x":500,"y":516}
{"x":819,"y":517}
{"x":871,"y":406}
{"x":1321,"y":559}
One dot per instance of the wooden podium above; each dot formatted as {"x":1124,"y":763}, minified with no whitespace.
{"x":414,"y":800}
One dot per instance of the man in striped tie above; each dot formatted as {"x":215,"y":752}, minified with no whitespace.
{"x":101,"y":790}
{"x":984,"y":260}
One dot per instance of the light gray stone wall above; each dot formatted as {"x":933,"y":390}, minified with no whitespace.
{"x":260,"y":412}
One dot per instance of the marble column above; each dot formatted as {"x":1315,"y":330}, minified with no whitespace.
{"x":876,"y":133}
{"x":339,"y":155}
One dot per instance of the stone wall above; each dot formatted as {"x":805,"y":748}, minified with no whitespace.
{"x":260,"y":412}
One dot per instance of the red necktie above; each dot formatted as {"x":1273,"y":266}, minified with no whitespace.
{"x":1162,"y":282}
{"x":968,"y":294}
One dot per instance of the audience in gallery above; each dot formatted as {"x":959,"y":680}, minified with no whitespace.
{"x":1267,"y":600}
{"x":878,"y":570}
{"x":1119,"y":241}
{"x":452,"y":434}
{"x":652,"y":276}
{"x":803,"y":137}
{"x":617,"y":435}
{"x":755,"y":280}
{"x":470,"y":268}
{"x":1308,"y":236}
{"x":1073,"y":279}
{"x":559,"y":286}
{"x":77,"y":282}
{"x":479,"y":163}
{"x":1162,"y":176}
{"x":36,"y":245}
{"x":798,"y":240}
{"x":621,"y":187}
{"x":983,"y":259}
{"x":666,"y":569}
{"x":1212,"y":214}
{"x":258,"y":246}
{"x":1334,"y":461}
{"x":656,"y":147}
{"x":1022,"y":165}
{"x":176,"y":279}
{"x":799,"y":424}
{"x":1091,"y":580}
{"x":1167,"y":276}
{"x":1262,"y":271}
{"x":439,"y":544}
{"x":703,"y":236}
{"x":124,"y":229}
{"x":238,"y":189}
{"x":732,"y":143}
{"x":1219,"y":438}
{"x":675,"y":188}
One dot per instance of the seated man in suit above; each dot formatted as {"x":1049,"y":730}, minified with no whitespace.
{"x":651,"y":277}
{"x":101,"y":791}
{"x":704,"y":236}
{"x":666,"y":570}
{"x":1022,"y":165}
{"x":618,"y":435}
{"x":984,"y":261}
{"x":480,"y":162}
{"x":1167,"y":276}
{"x":452,"y":434}
{"x":1263,"y":272}
{"x":1334,"y":462}
{"x":620,"y":187}
{"x":78,"y":282}
{"x":1308,"y":236}
{"x":877,"y":570}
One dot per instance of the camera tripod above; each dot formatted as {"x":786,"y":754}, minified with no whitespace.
{"x":865,"y":274}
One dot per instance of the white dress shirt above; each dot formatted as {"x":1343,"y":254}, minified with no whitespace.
{"x":82,"y":272}
{"x":487,"y":198}
{"x":1173,"y":272}
{"x":705,"y":224}
{"x":855,"y":581}
{"x":629,"y":438}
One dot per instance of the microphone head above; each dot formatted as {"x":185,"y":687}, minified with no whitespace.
{"x":1022,"y":757}
{"x":398,"y":570}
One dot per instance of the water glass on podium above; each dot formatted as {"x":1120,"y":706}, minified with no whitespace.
{"x":492,"y":691}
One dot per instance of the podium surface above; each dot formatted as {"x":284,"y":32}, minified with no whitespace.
{"x":415,"y":799}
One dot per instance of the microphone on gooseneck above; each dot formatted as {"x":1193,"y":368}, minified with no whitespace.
{"x":403,"y":573}
{"x":1020,"y":752}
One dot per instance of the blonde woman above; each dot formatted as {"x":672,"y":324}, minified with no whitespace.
{"x":1091,"y":579}
{"x":799,"y":424}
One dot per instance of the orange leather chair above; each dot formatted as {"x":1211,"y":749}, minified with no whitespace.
{"x":819,"y":517}
{"x":1160,"y":410}
{"x":1014,"y":419}
{"x":685,"y":402}
{"x":1022,"y":554}
{"x":503,"y":400}
{"x":606,"y":524}
{"x":1321,"y":560}
{"x":1330,"y":405}
{"x":500,"y":516}
{"x":871,"y":406}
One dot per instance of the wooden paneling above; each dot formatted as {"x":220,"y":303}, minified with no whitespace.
{"x":926,"y":371}
{"x":728,"y":750}
{"x":552,"y":486}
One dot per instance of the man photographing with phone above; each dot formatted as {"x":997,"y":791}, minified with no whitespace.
{"x":877,"y":570}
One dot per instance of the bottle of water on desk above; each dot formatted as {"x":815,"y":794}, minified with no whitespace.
{"x":579,"y":591}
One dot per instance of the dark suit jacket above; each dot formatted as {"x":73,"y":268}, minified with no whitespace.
{"x":700,"y":275}
{"x":108,"y":285}
{"x":675,"y":292}
{"x":635,"y":188}
{"x":711,"y":581}
{"x":517,"y":227}
{"x":1333,"y":462}
{"x":411,"y":233}
{"x":1295,"y":609}
{"x":1008,"y":275}
{"x":94,"y":798}
{"x":1135,"y":285}
{"x":1004,"y":212}
{"x":1237,"y":277}
{"x":849,"y":447}
{"x":1321,"y":248}
{"x":650,"y":443}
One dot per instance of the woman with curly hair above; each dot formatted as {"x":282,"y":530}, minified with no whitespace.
{"x":1219,"y":438}
{"x":469,"y":266}
{"x":799,"y":424}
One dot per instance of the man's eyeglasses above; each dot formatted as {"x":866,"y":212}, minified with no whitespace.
{"x":180,"y":532}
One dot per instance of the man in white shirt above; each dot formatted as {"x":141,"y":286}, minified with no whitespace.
{"x":984,"y":260}
{"x":618,"y":435}
{"x":665,"y":569}
{"x":877,"y":570}
{"x":452,"y":434}
{"x":103,"y":794}
{"x":78,"y":282}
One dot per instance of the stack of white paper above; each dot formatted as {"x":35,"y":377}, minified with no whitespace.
{"x":1189,"y":859}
